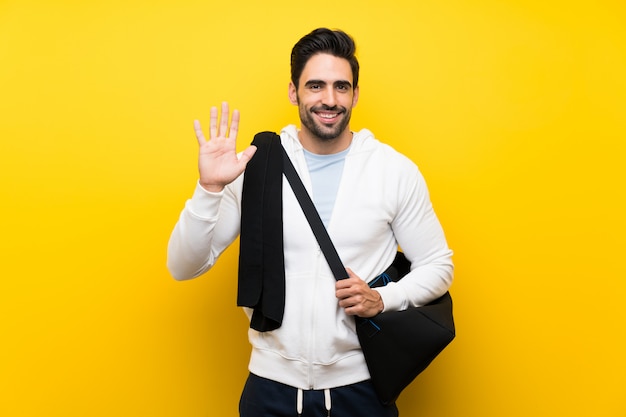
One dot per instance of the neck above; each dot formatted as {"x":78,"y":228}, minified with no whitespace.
{"x":319,"y":146}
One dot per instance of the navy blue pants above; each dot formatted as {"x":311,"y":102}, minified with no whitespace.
{"x":265,"y":398}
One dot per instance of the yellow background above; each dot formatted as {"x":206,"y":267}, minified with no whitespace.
{"x":514,"y":110}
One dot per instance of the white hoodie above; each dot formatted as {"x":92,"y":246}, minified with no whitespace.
{"x":382,"y":202}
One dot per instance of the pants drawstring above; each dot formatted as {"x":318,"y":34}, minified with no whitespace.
{"x":327,"y":400}
{"x":299,"y":402}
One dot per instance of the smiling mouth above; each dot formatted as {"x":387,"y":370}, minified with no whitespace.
{"x":327,"y":116}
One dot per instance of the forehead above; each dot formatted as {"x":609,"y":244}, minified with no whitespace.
{"x":326,"y":67}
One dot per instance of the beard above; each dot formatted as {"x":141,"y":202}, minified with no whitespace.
{"x":324,"y":132}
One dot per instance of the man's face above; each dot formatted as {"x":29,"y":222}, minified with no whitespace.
{"x":325,"y":96}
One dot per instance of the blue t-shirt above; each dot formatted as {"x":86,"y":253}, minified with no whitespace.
{"x":325,"y":171}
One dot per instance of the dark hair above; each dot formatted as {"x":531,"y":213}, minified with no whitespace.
{"x":322,"y":40}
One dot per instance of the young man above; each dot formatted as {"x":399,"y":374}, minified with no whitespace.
{"x":371,"y":199}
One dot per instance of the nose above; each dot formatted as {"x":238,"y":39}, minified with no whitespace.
{"x":330,"y":97}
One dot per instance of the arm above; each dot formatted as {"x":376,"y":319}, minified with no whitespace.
{"x":421,"y":237}
{"x":210,"y":220}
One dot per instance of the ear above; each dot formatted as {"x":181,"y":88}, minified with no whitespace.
{"x":355,"y":97}
{"x":293,"y":94}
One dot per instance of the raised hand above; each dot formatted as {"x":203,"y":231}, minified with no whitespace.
{"x":218,"y":163}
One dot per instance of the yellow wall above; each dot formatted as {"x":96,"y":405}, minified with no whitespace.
{"x":514,"y":110}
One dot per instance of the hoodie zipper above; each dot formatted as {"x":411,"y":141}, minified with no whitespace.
{"x":313,"y":335}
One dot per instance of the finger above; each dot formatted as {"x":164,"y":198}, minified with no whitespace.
{"x":234,"y":125}
{"x":224,"y":120}
{"x":198,"y":130}
{"x":247,"y":155}
{"x":350,"y":281}
{"x":343,"y":284}
{"x":343,"y":293}
{"x":213,"y":125}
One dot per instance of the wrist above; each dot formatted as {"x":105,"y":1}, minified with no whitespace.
{"x":212,"y":188}
{"x":381,"y":303}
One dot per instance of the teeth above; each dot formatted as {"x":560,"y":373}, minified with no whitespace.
{"x":327,"y":115}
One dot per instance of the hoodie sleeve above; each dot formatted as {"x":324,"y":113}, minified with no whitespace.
{"x":421,"y":238}
{"x":207,"y":225}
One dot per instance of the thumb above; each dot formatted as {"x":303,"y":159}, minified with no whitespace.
{"x":351,"y":273}
{"x":247,"y":155}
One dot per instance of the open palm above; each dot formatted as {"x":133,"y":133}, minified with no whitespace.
{"x":218,"y":162}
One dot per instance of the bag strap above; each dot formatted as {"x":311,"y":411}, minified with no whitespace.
{"x":320,"y":232}
{"x":398,"y":269}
